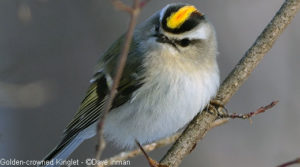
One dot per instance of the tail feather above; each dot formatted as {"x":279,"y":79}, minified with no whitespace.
{"x":62,"y":151}
{"x":69,"y":143}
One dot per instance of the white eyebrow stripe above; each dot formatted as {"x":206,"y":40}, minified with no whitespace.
{"x":202,"y":32}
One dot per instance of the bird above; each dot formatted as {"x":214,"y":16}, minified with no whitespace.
{"x":171,"y":75}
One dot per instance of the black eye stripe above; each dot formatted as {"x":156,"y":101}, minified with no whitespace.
{"x":184,"y":42}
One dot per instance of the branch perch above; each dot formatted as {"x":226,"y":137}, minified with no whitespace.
{"x":199,"y":126}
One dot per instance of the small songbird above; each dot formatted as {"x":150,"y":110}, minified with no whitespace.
{"x":171,"y":74}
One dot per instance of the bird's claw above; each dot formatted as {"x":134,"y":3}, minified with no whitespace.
{"x":220,"y":109}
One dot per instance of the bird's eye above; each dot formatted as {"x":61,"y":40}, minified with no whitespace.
{"x":184,"y":42}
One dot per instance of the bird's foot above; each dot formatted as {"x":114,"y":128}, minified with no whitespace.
{"x":220,"y":109}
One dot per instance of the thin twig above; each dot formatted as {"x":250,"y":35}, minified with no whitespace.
{"x":171,"y":139}
{"x":143,"y":3}
{"x":120,"y":67}
{"x":150,"y":147}
{"x":199,"y":126}
{"x":296,"y":161}
{"x":151,"y":162}
{"x":121,"y":6}
{"x":249,"y":115}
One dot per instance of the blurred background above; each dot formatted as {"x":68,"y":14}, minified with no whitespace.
{"x":48,"y":50}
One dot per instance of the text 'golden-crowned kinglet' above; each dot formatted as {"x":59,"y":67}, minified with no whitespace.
{"x":170,"y":75}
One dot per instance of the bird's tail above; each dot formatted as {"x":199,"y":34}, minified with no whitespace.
{"x":62,"y":151}
{"x":70,"y":142}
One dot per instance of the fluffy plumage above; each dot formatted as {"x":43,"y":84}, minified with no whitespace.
{"x":168,"y":78}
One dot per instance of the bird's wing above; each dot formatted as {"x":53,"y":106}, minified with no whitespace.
{"x":91,"y":107}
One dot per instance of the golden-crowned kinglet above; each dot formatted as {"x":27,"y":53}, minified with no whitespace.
{"x":170,"y":75}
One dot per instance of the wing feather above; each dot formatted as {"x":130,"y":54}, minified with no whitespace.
{"x":91,"y":107}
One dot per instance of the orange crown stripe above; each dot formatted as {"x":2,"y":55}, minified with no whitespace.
{"x":178,"y":18}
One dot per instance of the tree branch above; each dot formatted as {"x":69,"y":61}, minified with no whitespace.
{"x":296,"y":161}
{"x":199,"y":126}
{"x":251,"y":114}
{"x":130,"y":154}
{"x":134,"y":12}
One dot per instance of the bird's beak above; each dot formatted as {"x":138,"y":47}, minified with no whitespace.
{"x":164,"y":39}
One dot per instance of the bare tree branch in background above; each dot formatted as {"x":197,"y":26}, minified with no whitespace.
{"x":294,"y":162}
{"x":199,"y":126}
{"x":134,"y":12}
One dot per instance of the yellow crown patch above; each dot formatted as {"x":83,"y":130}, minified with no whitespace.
{"x":178,"y":18}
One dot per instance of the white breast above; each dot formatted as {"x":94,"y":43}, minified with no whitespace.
{"x":168,"y":100}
